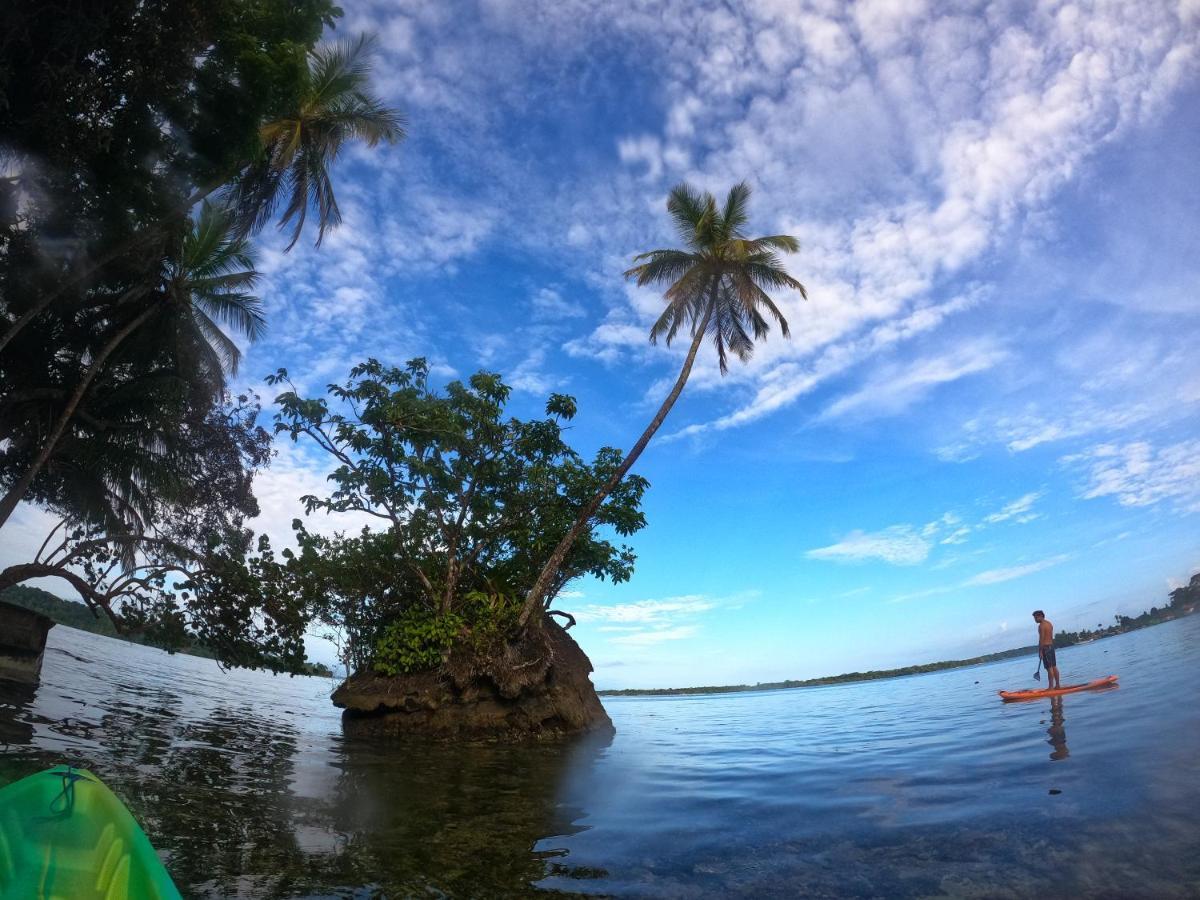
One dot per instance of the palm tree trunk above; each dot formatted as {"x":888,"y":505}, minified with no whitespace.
{"x":533,"y":600}
{"x":120,"y":250}
{"x":21,"y":488}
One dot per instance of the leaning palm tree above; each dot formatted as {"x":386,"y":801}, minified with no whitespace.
{"x":336,"y":105}
{"x":717,"y":287}
{"x":201,"y":293}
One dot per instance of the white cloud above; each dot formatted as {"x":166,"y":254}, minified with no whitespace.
{"x":900,"y":545}
{"x":958,"y":535}
{"x":646,"y":611}
{"x":645,"y":623}
{"x":900,"y":142}
{"x":996,"y":576}
{"x":1137,"y":474}
{"x":650,"y":638}
{"x":988,"y":577}
{"x":908,"y":544}
{"x":549,"y":303}
{"x":788,"y":381}
{"x":893,"y":389}
{"x":531,"y":374}
{"x":292,"y":474}
{"x":1018,"y":509}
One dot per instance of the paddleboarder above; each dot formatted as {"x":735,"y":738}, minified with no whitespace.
{"x":1046,"y":648}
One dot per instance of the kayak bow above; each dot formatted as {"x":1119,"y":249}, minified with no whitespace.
{"x":63,"y":834}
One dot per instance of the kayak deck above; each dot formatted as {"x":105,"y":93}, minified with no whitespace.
{"x":1108,"y":681}
{"x":63,"y":834}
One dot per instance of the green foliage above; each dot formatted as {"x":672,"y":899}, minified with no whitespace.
{"x":121,"y":296}
{"x":418,"y":640}
{"x":468,"y":505}
{"x":719,"y":283}
{"x":118,"y":118}
{"x":1188,"y":595}
{"x":335,"y":106}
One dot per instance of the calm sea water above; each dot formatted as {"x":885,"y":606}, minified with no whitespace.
{"x":917,"y":787}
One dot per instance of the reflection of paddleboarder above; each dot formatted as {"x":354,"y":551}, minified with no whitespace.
{"x":1046,"y":648}
{"x":1057,"y":730}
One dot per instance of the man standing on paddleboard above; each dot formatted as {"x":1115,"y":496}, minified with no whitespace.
{"x":1046,"y":649}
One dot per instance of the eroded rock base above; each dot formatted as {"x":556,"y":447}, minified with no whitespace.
{"x":535,"y":689}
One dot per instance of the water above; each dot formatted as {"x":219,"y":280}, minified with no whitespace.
{"x":917,"y":787}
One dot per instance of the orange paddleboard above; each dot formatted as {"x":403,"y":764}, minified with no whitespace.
{"x":1006,"y":696}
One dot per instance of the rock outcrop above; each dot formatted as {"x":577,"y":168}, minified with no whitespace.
{"x":22,"y":642}
{"x":537,"y":688}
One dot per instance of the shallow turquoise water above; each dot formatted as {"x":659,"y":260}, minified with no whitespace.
{"x":918,"y":787}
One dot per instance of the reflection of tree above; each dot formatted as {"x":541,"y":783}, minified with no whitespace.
{"x":16,"y":731}
{"x":211,"y":792}
{"x":457,"y":820}
{"x":1057,"y":730}
{"x":213,"y":789}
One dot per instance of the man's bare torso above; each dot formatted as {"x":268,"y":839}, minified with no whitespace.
{"x":1045,"y":633}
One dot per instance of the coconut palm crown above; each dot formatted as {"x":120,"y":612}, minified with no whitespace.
{"x":336,"y":106}
{"x":210,"y":285}
{"x":721,"y":280}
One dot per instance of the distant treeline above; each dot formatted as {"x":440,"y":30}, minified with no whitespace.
{"x":830,"y":679}
{"x":76,"y":615}
{"x":1184,"y":601}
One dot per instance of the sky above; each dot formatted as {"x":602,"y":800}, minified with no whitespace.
{"x":989,"y":400}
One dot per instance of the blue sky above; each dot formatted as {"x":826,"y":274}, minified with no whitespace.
{"x":989,"y":402}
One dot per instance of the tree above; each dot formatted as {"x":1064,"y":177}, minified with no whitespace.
{"x":1186,"y":595}
{"x":328,"y":104}
{"x":118,"y":118}
{"x":192,"y":509}
{"x":202,"y":291}
{"x":465,"y":504}
{"x":335,"y":106}
{"x":717,"y":287}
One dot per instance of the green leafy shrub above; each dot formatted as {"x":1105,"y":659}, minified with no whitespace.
{"x":416,"y":641}
{"x":420,"y":638}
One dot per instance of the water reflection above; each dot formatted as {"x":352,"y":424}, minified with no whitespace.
{"x":457,"y":820}
{"x":241,"y":800}
{"x":1057,"y":730}
{"x":16,"y":699}
{"x":247,"y":785}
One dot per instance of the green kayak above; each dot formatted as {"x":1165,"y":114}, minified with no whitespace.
{"x":63,"y":834}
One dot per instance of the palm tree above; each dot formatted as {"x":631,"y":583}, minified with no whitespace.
{"x":202,"y":292}
{"x":717,"y":287}
{"x":335,"y":106}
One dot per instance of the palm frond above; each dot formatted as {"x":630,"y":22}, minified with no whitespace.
{"x":735,"y":214}
{"x":661,"y":266}
{"x":365,"y":118}
{"x":225,"y":353}
{"x":692,"y":211}
{"x":771,"y":276}
{"x":784,"y":242}
{"x":752,"y":297}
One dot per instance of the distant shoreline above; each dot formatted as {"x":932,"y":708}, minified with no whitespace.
{"x":1155,"y":617}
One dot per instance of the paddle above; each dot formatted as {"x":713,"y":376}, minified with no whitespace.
{"x":1037,"y":676}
